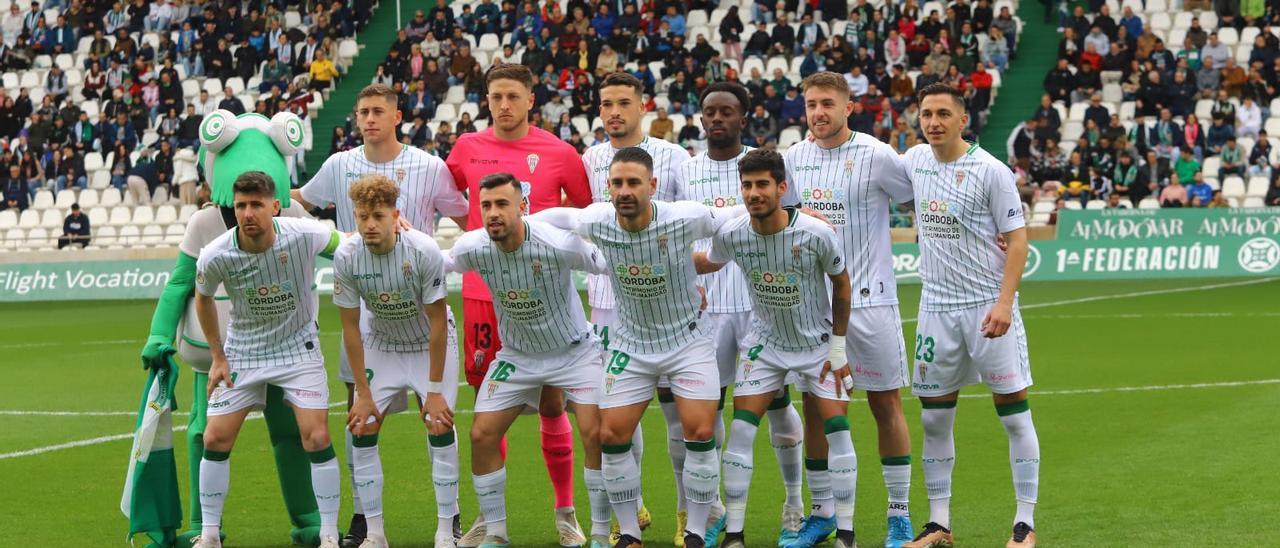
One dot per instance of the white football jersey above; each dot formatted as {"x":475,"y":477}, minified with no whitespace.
{"x":667,"y":158}
{"x":426,"y":186}
{"x":788,"y":273}
{"x":392,"y":287}
{"x":717,"y":184}
{"x":961,"y":207}
{"x":538,"y":306}
{"x":854,"y":185}
{"x":273,"y":304}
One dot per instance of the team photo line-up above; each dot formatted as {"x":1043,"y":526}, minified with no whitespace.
{"x":734,"y":267}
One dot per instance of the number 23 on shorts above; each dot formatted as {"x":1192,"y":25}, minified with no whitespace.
{"x":924,"y":348}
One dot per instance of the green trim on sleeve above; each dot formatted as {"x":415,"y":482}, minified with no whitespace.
{"x":334,"y":239}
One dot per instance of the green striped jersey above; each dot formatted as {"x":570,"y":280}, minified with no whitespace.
{"x":392,"y":287}
{"x":426,"y":186}
{"x":273,"y":304}
{"x":787,"y":275}
{"x":667,"y":159}
{"x":717,"y":184}
{"x":538,"y":306}
{"x":961,"y":207}
{"x":651,"y":272}
{"x":853,"y":185}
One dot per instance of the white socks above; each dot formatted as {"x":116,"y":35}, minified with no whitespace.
{"x":599,"y":500}
{"x":786,"y":434}
{"x":897,"y":481}
{"x":622,"y":481}
{"x":1024,"y":458}
{"x":357,"y":503}
{"x":326,"y":482}
{"x":491,"y":492}
{"x":842,"y":465}
{"x":938,"y":457}
{"x":637,"y":450}
{"x":367,"y":477}
{"x":215,"y":476}
{"x":738,"y":467}
{"x":675,"y":447}
{"x":701,"y":482}
{"x":820,"y":488}
{"x":444,"y":477}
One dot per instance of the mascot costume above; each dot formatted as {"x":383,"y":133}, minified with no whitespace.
{"x":231,"y":145}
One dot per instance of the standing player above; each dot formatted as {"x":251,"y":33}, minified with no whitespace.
{"x":852,"y":178}
{"x":712,"y":178}
{"x":970,"y":328}
{"x":397,"y":279}
{"x":547,"y":169}
{"x":622,"y":108}
{"x":547,"y":342}
{"x":268,"y":268}
{"x":659,"y":331}
{"x":426,"y":187}
{"x":799,"y":329}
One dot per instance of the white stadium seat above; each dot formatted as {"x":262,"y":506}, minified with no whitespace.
{"x":44,"y":199}
{"x":8,"y":219}
{"x":119,"y":216}
{"x":98,"y":216}
{"x":166,"y":214}
{"x":88,"y":198}
{"x":105,"y":236}
{"x":142,"y":216}
{"x":110,"y":197}
{"x":37,"y":238}
{"x":152,"y":235}
{"x":52,"y":218}
{"x":129,"y":235}
{"x":1233,"y":188}
{"x":29,"y":219}
{"x":14,"y":238}
{"x":1258,"y":187}
{"x":65,"y":198}
{"x":173,"y":234}
{"x":186,"y":212}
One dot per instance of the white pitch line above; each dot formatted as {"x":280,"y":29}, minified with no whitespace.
{"x":1065,"y":392}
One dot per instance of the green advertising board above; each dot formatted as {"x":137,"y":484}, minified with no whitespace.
{"x":1181,"y":257}
{"x":1154,"y":224}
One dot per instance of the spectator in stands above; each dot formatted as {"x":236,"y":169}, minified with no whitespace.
{"x":15,"y":191}
{"x":32,"y":171}
{"x":663,"y":127}
{"x":1208,"y":79}
{"x":1232,"y":77}
{"x":230,"y":102}
{"x":75,"y":228}
{"x":189,"y":129}
{"x":1248,"y":118}
{"x":70,"y":170}
{"x":1174,"y":194}
{"x":1231,"y":156}
{"x":1167,"y":135}
{"x":1272,"y":198}
{"x":1218,"y":201}
{"x":1193,"y":137}
{"x":1200,"y":193}
{"x":322,"y":71}
{"x":1047,"y":161}
{"x":1218,"y":135}
{"x":1125,"y":179}
{"x":1100,"y":185}
{"x":1059,"y":82}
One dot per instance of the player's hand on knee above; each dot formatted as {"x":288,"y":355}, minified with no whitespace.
{"x":843,"y":377}
{"x":436,"y":414}
{"x":362,"y":409}
{"x":219,"y":373}
{"x":996,"y":323}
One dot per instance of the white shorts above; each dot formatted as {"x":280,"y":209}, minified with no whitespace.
{"x":391,"y":373}
{"x":951,"y":353}
{"x":601,"y":321}
{"x":516,"y":379}
{"x":305,"y":386}
{"x":765,"y":370}
{"x":873,"y":342}
{"x":729,"y":332}
{"x":400,"y":402}
{"x":631,"y":378}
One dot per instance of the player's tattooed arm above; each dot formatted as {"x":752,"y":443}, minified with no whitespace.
{"x":362,"y":407}
{"x":436,"y":412}
{"x":997,"y":321}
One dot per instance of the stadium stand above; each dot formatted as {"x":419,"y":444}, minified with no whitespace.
{"x":1173,"y":104}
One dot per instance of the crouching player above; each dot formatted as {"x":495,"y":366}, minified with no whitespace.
{"x":410,"y":344}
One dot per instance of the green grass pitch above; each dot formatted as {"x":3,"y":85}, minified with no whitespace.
{"x":1155,"y":402}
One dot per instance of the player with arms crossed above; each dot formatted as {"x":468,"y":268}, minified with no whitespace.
{"x":527,"y":266}
{"x":970,"y":330}
{"x":425,"y":187}
{"x":267,"y":265}
{"x":547,"y":168}
{"x":622,"y":108}
{"x":397,"y":279}
{"x":788,"y":257}
{"x":712,"y":178}
{"x":851,"y":178}
{"x":659,"y":331}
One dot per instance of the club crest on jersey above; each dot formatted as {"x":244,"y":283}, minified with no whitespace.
{"x":400,"y":173}
{"x":959,"y":177}
{"x":924,"y":369}
{"x":493,"y":387}
{"x":407,"y":268}
{"x":532,"y":160}
{"x":848,"y":166}
{"x":608,"y":383}
{"x":537,"y":267}
{"x":284,"y":258}
{"x":662,"y":243}
{"x":795,"y":252}
{"x":746,"y":369}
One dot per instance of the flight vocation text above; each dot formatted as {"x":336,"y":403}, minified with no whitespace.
{"x":70,"y":279}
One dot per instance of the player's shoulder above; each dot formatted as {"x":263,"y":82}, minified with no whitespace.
{"x":418,"y":156}
{"x":735,"y":226}
{"x":806,"y":223}
{"x":301,"y":225}
{"x":597,"y":212}
{"x":420,"y":241}
{"x":542,"y":138}
{"x":348,"y":247}
{"x":666,"y":146}
{"x":800,"y":147}
{"x":474,"y":137}
{"x":218,"y":247}
{"x":549,"y":235}
{"x":682,"y":209}
{"x":917,"y":152}
{"x":469,"y":242}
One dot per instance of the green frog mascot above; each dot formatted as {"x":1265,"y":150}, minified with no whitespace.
{"x":231,"y":145}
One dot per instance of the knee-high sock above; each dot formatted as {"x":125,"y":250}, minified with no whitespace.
{"x":557,"y":452}
{"x":938,"y":456}
{"x":1024,"y":458}
{"x":897,"y":480}
{"x":326,"y":483}
{"x":215,"y":477}
{"x":599,"y":499}
{"x":675,"y":445}
{"x":622,"y":481}
{"x":195,"y":444}
{"x":820,"y":488}
{"x":357,"y":501}
{"x":366,"y":475}
{"x":291,"y":458}
{"x":637,"y":451}
{"x":701,"y":482}
{"x":444,"y":477}
{"x":738,"y":465}
{"x":786,"y":434}
{"x":842,"y":465}
{"x":491,"y":492}
{"x":718,"y":425}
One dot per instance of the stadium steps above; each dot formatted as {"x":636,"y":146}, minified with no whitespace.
{"x":1037,"y":52}
{"x":375,"y":41}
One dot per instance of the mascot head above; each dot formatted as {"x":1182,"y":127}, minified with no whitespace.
{"x":231,"y":145}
